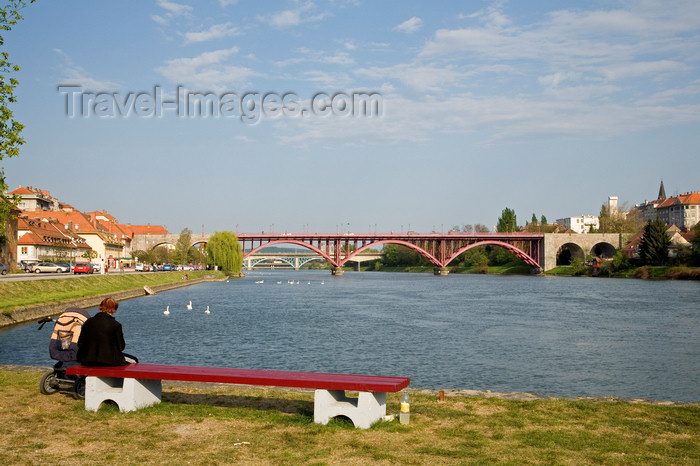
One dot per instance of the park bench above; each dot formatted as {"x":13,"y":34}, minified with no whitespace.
{"x":136,"y":386}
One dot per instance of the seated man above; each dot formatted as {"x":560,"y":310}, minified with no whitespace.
{"x":101,"y":340}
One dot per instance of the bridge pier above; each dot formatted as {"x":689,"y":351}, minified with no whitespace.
{"x":442,"y":271}
{"x":337,"y":271}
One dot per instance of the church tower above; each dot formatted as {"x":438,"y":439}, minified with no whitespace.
{"x":662,"y":191}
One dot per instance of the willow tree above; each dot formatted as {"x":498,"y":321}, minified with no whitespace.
{"x":224,"y":251}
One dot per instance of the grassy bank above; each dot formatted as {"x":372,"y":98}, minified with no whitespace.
{"x":225,"y":424}
{"x":14,"y":294}
{"x":646,"y":272}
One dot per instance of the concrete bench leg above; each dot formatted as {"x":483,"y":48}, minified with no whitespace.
{"x":363,"y":411}
{"x":128,"y":394}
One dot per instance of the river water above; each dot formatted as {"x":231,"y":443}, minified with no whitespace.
{"x":548,"y":335}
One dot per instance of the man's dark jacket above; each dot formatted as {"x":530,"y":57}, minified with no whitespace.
{"x":101,"y":342}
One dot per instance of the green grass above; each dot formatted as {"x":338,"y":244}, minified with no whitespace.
{"x":14,"y":294}
{"x":209,"y":425}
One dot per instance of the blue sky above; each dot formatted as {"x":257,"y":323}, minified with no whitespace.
{"x":546,"y":107}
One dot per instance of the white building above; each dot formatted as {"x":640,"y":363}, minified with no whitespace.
{"x":582,"y":224}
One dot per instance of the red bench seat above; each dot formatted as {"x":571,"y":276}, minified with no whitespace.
{"x":138,"y":385}
{"x":358,"y":383}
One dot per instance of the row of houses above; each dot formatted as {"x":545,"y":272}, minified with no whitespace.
{"x":48,"y":229}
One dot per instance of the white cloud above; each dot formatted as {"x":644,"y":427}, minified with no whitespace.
{"x":410,"y":25}
{"x":293,"y":17}
{"x":316,"y":56}
{"x":225,"y":3}
{"x":661,"y":67}
{"x":74,"y":74}
{"x":287,"y":18}
{"x":208,"y":71}
{"x":172,"y":10}
{"x":217,"y":31}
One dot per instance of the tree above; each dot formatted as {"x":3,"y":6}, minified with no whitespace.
{"x":653,"y":248}
{"x":480,"y":228}
{"x":10,"y":129}
{"x":618,"y":221}
{"x":695,"y":246}
{"x":507,"y":222}
{"x":182,"y":247}
{"x":224,"y":251}
{"x":543,"y":220}
{"x":534,"y":219}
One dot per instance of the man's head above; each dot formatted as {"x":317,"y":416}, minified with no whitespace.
{"x":109,"y":305}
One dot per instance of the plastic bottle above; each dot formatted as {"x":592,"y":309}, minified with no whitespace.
{"x":405,"y":414}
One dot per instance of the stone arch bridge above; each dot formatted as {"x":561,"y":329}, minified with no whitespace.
{"x":539,"y":250}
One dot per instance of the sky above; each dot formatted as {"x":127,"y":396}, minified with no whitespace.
{"x":355,"y":115}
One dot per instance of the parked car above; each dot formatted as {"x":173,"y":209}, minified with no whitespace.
{"x":167,"y":267}
{"x":4,"y":268}
{"x":96,"y":267}
{"x":65,"y":266}
{"x":27,"y":266}
{"x":139,"y":267}
{"x":47,"y":267}
{"x":82,"y":267}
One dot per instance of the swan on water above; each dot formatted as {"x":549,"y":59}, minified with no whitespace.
{"x":189,"y":306}
{"x":207,"y":311}
{"x":167,"y":310}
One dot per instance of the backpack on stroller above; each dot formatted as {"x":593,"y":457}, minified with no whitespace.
{"x":63,"y":347}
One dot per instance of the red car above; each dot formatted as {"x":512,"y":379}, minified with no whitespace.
{"x":83,"y":267}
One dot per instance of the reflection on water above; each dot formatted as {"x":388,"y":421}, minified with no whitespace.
{"x":554,"y":336}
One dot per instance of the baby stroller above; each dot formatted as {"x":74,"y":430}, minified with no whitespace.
{"x":63,"y":348}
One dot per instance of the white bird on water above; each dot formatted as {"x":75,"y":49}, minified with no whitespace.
{"x":207,"y":311}
{"x":167,"y":310}
{"x":189,"y":306}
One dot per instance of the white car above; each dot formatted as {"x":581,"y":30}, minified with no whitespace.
{"x":139,"y":267}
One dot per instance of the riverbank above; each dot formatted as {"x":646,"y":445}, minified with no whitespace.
{"x":258,"y":425}
{"x":23,"y":301}
{"x":515,"y":268}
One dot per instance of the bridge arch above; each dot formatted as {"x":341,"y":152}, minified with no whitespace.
{"x":514,"y":249}
{"x":416,"y":248}
{"x":161,"y":243}
{"x":292,"y":241}
{"x":572,"y":251}
{"x":603,"y":250}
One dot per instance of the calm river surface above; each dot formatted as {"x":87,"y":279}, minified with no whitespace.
{"x":548,"y":335}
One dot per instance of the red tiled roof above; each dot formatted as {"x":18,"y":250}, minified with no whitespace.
{"x":81,"y":223}
{"x":21,"y":190}
{"x":145,"y":229}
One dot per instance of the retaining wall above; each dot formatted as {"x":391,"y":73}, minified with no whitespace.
{"x":30,"y":313}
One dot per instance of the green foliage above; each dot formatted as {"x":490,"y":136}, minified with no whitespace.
{"x":653,"y":249}
{"x":695,"y":246}
{"x":10,"y":130}
{"x":395,"y":255}
{"x":578,"y":267}
{"x":618,"y":221}
{"x":507,"y":222}
{"x":543,"y":220}
{"x":182,"y":247}
{"x":620,"y":262}
{"x":224,"y":251}
{"x":534,"y":219}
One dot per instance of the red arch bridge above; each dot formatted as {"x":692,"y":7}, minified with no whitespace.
{"x":439,"y":248}
{"x":539,"y":250}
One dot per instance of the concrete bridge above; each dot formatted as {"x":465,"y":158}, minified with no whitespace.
{"x":295,"y":260}
{"x":539,"y":250}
